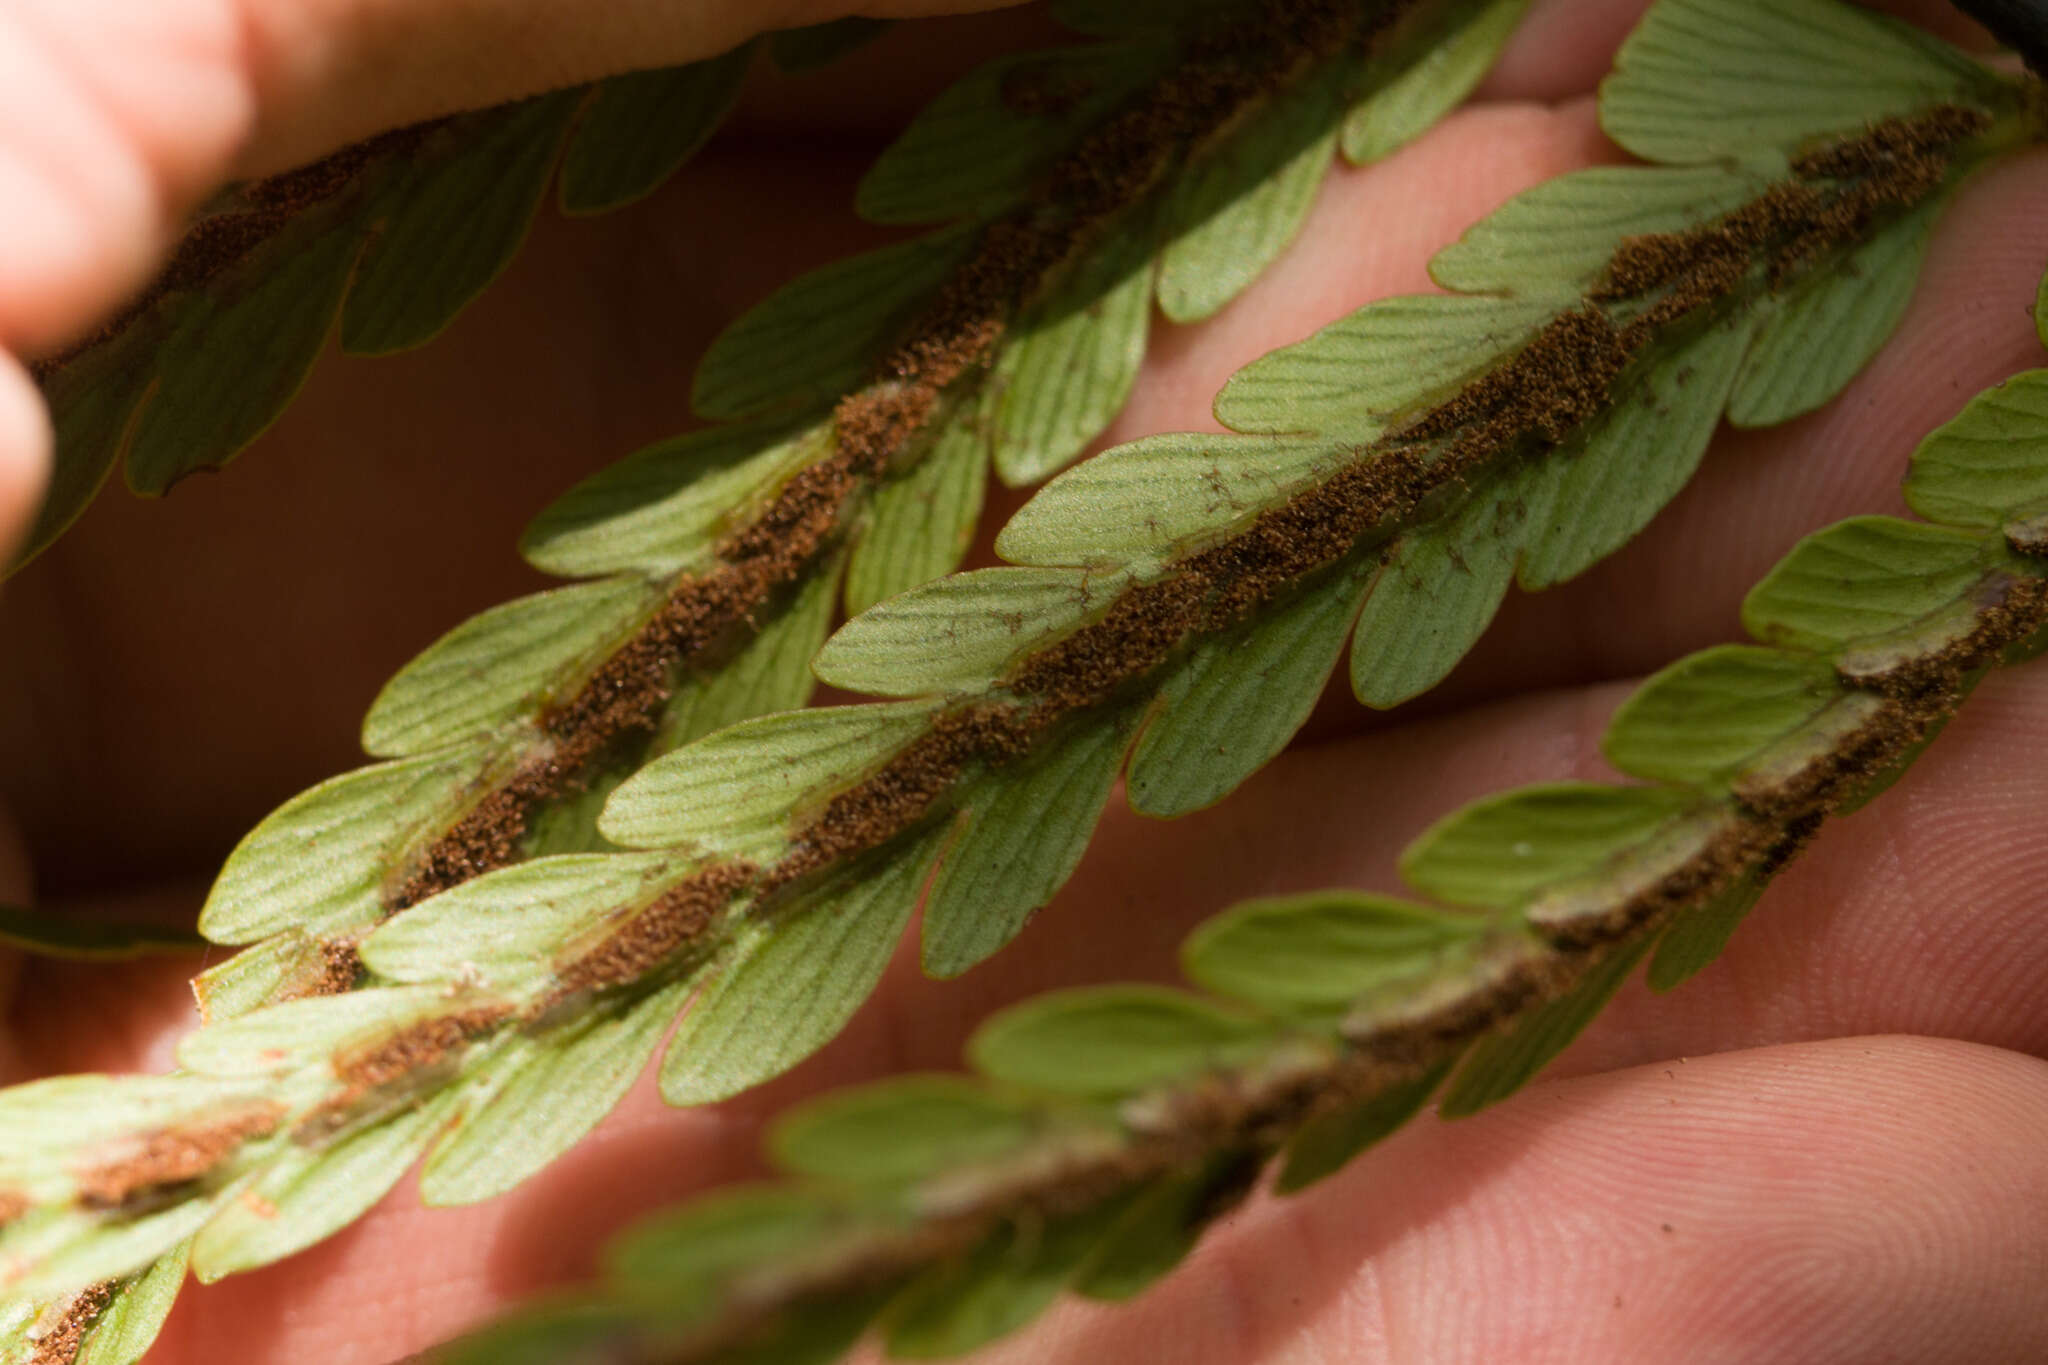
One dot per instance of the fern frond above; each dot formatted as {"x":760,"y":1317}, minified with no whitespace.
{"x":1108,"y":1126}
{"x":864,"y":400}
{"x":1182,"y":600}
{"x":391,"y":238}
{"x":50,"y":935}
{"x":1164,"y":584}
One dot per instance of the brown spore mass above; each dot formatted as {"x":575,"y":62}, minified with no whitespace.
{"x":170,"y":1156}
{"x":60,"y":1342}
{"x":259,"y":211}
{"x":653,"y":934}
{"x":366,"y":1069}
{"x":1534,"y":400}
{"x":2008,"y":609}
{"x":1896,"y":163}
{"x":421,"y":1044}
{"x":340,"y":968}
{"x":904,"y":789}
{"x":878,"y":427}
{"x":1410,"y":1045}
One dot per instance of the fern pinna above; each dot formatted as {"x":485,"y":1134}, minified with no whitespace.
{"x":1108,"y":1126}
{"x":386,"y":241}
{"x":869,"y":394}
{"x":1181,"y":602}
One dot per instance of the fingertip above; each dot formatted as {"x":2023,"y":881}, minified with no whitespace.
{"x":27,"y":446}
{"x":1564,"y":47}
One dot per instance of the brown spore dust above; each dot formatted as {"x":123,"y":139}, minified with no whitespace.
{"x":13,"y":1204}
{"x":370,"y":1067}
{"x":1501,"y":991}
{"x":1549,"y":389}
{"x":656,"y":932}
{"x":2029,"y":538}
{"x":1835,"y":193}
{"x":60,"y":1342}
{"x":1535,"y":399}
{"x":258,"y":211}
{"x":877,"y":428}
{"x":905,"y":789}
{"x":337,"y":970}
{"x":134,"y":1168}
{"x":2009,"y":608}
{"x":424,"y":1043}
{"x":1856,"y":758}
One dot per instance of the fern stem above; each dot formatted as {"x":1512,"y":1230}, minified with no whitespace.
{"x":365,"y":1079}
{"x":885,"y":426}
{"x":1578,"y":366}
{"x":1237,"y":1118}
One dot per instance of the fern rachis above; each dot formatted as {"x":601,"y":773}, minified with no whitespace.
{"x":1096,"y":942}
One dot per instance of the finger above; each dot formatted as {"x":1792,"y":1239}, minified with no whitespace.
{"x":25,"y":451}
{"x":24,"y":466}
{"x":1564,"y":47}
{"x":116,"y":116}
{"x":1914,"y":915}
{"x":1919,"y":920}
{"x":143,"y":656}
{"x":1679,"y":585}
{"x":1370,"y":235}
{"x":1857,"y":1200}
{"x":329,"y":73}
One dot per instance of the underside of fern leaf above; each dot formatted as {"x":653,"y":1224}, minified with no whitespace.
{"x":384,"y":243}
{"x":1108,"y":1126}
{"x":866,"y":402}
{"x":443,"y":940}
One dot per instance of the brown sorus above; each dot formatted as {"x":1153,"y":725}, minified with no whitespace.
{"x":131,"y":1169}
{"x":657,"y":931}
{"x":417,"y":1045}
{"x":368,"y":1068}
{"x":949,"y":342}
{"x":258,"y":212}
{"x":2009,"y":608}
{"x":337,"y":969}
{"x":341,"y":967}
{"x":1855,"y":759}
{"x":1894,"y":164}
{"x":1694,"y":882}
{"x":1508,"y":984}
{"x":60,"y":1341}
{"x":904,"y":789}
{"x":1538,"y":397}
{"x":2029,"y":537}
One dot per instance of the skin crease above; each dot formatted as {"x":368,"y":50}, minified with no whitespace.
{"x":1824,"y":1149}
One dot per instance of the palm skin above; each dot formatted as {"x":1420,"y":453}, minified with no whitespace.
{"x":1825,"y":1148}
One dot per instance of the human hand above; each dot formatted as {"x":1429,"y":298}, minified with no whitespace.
{"x":120,"y":115}
{"x":1830,"y":1194}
